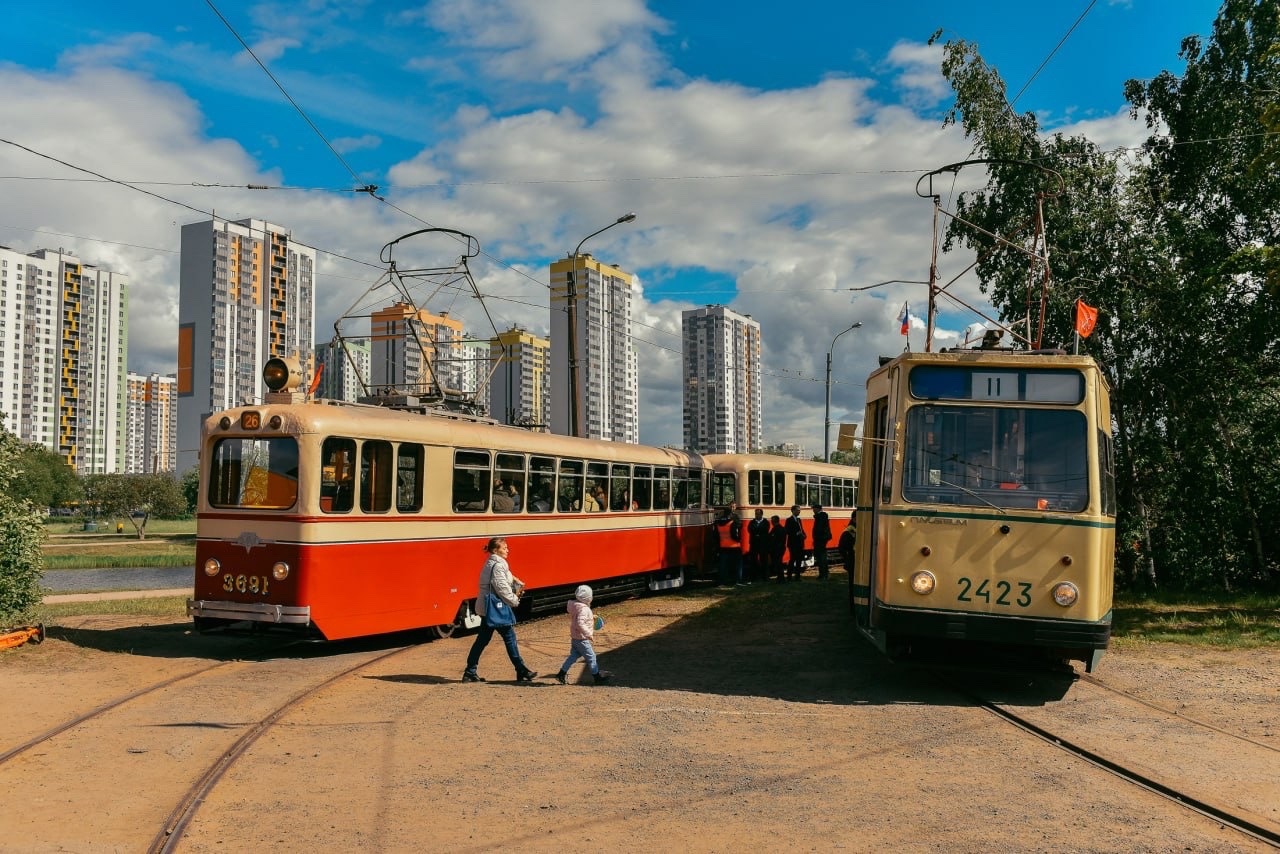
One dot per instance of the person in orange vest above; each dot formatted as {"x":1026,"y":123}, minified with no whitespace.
{"x":729,"y":541}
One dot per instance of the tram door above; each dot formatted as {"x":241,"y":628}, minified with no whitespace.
{"x":874,"y":488}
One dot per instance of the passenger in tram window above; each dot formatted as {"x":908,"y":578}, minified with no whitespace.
{"x":569,"y":499}
{"x":778,"y":547}
{"x":496,"y":577}
{"x":590,"y":503}
{"x":517,"y":498}
{"x":541,"y":502}
{"x":602,"y":500}
{"x":502,"y":501}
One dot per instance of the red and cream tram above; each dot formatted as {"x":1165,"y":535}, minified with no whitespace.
{"x":352,"y":519}
{"x":774,"y":484}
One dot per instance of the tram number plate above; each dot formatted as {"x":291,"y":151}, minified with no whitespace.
{"x":245,"y":583}
{"x":1007,"y":593}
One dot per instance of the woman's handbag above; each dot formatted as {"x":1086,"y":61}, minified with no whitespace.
{"x":498,"y":612}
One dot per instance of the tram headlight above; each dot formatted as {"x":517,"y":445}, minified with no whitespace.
{"x":279,"y":570}
{"x":211,"y":567}
{"x":923,"y":582}
{"x":1065,"y":593}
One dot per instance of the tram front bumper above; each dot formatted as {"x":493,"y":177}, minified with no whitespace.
{"x":256,"y":612}
{"x":990,"y":628}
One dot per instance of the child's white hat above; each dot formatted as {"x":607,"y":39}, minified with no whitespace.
{"x":582,"y":594}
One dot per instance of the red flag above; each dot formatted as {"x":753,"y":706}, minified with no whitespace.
{"x":1086,"y":318}
{"x":315,"y":381}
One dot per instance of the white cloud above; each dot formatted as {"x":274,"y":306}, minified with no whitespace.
{"x":796,"y":197}
{"x":547,"y":40}
{"x":920,"y":74}
{"x":346,"y":144}
{"x":268,"y":49}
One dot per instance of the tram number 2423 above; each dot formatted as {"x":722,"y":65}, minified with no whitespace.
{"x":245,"y":583}
{"x":985,"y":590}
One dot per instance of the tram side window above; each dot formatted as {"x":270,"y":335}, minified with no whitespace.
{"x":766,"y":487}
{"x":542,"y":484}
{"x":597,"y":496}
{"x":260,"y":473}
{"x":802,"y":490}
{"x":642,"y":487}
{"x":724,"y":489}
{"x":753,"y":486}
{"x":662,"y":489}
{"x":337,"y":475}
{"x":569,"y":498}
{"x":680,"y":489}
{"x":693,"y":488}
{"x":620,"y":486}
{"x":825,"y":500}
{"x":508,"y":484}
{"x":1106,"y":452}
{"x":376,"y":476}
{"x":470,"y":481}
{"x":409,"y":460}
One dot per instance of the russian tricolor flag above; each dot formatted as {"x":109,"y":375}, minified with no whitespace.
{"x":904,"y":318}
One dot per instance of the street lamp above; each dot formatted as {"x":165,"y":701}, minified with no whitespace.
{"x":571,"y":294}
{"x":826,"y":432}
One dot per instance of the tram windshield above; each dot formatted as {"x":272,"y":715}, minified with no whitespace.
{"x":996,"y":456}
{"x":259,"y":473}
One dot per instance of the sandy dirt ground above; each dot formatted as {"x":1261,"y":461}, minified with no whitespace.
{"x":791,"y":733}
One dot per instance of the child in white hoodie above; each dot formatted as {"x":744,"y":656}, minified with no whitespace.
{"x":582,"y":626}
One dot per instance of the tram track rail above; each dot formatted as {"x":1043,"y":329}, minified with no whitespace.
{"x":102,"y":709}
{"x":179,"y":818}
{"x":110,"y":705}
{"x":1170,"y":791}
{"x":1098,"y":683}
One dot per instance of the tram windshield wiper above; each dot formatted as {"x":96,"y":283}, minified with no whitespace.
{"x":969,"y":491}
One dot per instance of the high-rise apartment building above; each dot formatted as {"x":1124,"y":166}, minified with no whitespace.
{"x":63,"y":347}
{"x":246,"y":295}
{"x":416,"y":352}
{"x":152,"y":435}
{"x":344,"y":370}
{"x":474,"y":372}
{"x":520,"y":389}
{"x":608,"y":389}
{"x":722,"y":406}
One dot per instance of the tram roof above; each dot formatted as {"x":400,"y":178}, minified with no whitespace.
{"x":338,"y":418}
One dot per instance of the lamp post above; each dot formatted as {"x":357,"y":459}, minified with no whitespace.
{"x":571,"y":294}
{"x":826,"y":431}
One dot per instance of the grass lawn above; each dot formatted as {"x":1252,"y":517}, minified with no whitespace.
{"x":1241,"y":622}
{"x":168,"y":543}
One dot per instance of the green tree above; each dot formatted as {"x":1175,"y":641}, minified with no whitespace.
{"x":1177,"y":248}
{"x":21,"y":533}
{"x":1213,"y":160}
{"x":47,"y":480}
{"x":117,"y":497}
{"x":191,"y":490}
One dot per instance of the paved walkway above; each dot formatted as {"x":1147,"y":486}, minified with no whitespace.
{"x":116,"y":594}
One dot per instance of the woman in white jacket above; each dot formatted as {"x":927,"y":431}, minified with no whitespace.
{"x":496,"y":576}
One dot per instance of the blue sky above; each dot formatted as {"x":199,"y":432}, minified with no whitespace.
{"x":769,"y":151}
